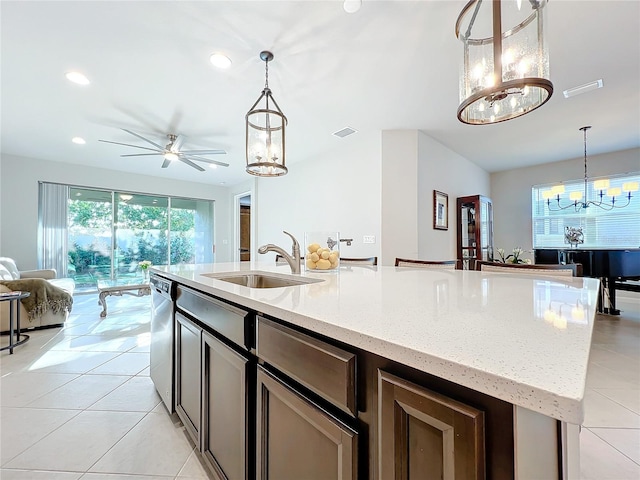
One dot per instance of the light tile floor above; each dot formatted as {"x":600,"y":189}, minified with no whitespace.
{"x":78,"y":403}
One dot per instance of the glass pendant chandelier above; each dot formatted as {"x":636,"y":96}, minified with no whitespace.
{"x":505,"y":68}
{"x":265,"y":128}
{"x":602,"y":186}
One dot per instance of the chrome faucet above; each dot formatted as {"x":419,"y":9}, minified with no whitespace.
{"x":293,"y":260}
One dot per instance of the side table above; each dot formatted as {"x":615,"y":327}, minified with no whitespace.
{"x":14,"y":314}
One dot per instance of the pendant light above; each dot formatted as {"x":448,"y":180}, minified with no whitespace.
{"x":579,"y":202}
{"x":265,"y":132}
{"x":505,"y":67}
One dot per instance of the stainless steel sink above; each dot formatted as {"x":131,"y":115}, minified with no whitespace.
{"x":262,"y":279}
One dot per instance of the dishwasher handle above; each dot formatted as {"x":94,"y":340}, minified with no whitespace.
{"x":162,"y":286}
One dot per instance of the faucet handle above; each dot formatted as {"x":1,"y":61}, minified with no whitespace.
{"x":295,"y":242}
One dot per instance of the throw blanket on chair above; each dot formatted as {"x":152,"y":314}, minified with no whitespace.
{"x":44,"y":296}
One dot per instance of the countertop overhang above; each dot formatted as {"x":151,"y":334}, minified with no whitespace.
{"x":521,"y":339}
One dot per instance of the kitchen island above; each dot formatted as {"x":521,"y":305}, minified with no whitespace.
{"x":490,"y":367}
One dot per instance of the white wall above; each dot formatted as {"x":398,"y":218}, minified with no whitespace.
{"x":19,"y":200}
{"x":511,"y":191}
{"x":399,"y":221}
{"x":442,"y":169}
{"x":338,"y":191}
{"x":380,"y":184}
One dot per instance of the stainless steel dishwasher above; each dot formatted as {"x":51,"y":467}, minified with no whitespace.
{"x":162,"y":338}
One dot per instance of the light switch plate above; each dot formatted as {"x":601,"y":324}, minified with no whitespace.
{"x":369,"y":239}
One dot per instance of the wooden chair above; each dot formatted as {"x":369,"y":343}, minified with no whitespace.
{"x":429,"y":264}
{"x":359,"y":261}
{"x":569,"y":270}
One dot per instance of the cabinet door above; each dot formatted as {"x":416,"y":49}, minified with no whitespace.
{"x":298,"y":440}
{"x":427,"y":436}
{"x":224,"y":421}
{"x":188,"y":375}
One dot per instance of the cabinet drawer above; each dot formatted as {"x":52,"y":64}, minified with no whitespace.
{"x":221,"y":317}
{"x":327,"y":370}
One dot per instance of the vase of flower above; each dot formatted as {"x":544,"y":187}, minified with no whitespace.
{"x":144,"y":266}
{"x":514,"y":257}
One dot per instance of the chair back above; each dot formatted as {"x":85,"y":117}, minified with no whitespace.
{"x":359,"y":261}
{"x":569,"y":270}
{"x":429,"y":264}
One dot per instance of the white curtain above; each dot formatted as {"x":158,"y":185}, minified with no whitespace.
{"x":52,"y":227}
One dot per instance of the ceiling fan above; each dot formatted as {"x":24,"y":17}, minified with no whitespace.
{"x":172,"y":151}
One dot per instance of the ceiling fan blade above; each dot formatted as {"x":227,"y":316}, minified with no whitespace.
{"x":190,"y":163}
{"x":145,"y":139}
{"x":202,"y":159}
{"x":166,"y":163}
{"x":129,"y":145}
{"x":140,"y":154}
{"x":178,"y":143}
{"x":204,"y":152}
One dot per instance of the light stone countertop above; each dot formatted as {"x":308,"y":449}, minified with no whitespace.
{"x":516,"y":338}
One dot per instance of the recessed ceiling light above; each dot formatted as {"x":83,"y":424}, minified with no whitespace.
{"x":221,"y":61}
{"x":77,"y":77}
{"x":78,"y":140}
{"x":352,"y":6}
{"x":213,"y":166}
{"x":587,"y":87}
{"x":222,"y":183}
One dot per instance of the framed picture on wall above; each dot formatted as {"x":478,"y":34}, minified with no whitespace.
{"x":440,"y":210}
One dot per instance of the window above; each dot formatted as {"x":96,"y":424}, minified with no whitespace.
{"x":614,"y":228}
{"x":110,"y":232}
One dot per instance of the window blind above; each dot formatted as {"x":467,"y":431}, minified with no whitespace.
{"x":602,"y":228}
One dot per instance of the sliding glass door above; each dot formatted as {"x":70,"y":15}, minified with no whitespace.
{"x":141,"y":228}
{"x":90,"y":220}
{"x":110,"y":233}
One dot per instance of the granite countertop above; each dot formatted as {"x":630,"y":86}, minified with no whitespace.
{"x":516,"y":338}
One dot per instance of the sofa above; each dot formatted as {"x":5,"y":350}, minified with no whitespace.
{"x":50,"y":302}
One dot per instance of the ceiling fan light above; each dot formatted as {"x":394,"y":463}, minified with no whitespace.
{"x":78,"y":140}
{"x":170,"y":156}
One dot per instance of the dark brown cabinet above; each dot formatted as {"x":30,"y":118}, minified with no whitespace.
{"x":263,"y":399}
{"x":225,"y":410}
{"x":188,"y":375}
{"x":299,"y":440}
{"x":425,"y":435}
{"x":475,"y":230}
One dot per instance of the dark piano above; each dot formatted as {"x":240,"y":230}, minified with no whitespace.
{"x":614,"y":266}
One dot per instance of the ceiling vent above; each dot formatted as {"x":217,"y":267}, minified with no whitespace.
{"x":345,"y":132}
{"x":587,"y":87}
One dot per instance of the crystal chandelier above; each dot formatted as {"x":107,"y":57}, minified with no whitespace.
{"x":576,"y":200}
{"x":505,"y":72}
{"x":265,"y":126}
